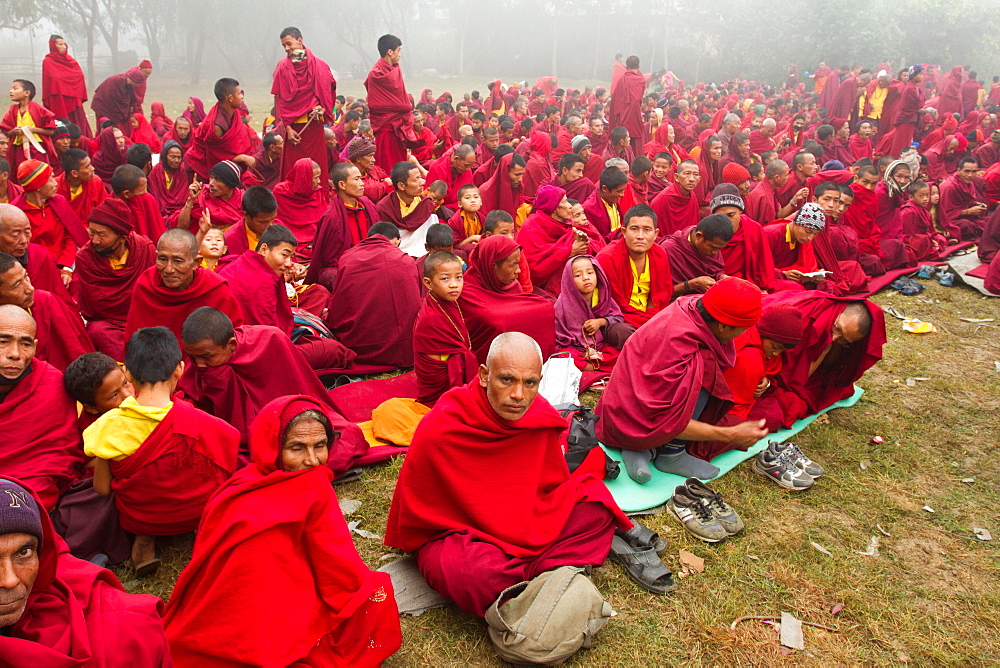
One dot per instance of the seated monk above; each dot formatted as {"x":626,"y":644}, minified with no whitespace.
{"x":407,"y":208}
{"x":861,"y":215}
{"x":638,"y":271}
{"x":78,"y":183}
{"x":694,"y":253}
{"x":376,"y":300}
{"x":9,"y":190}
{"x":668,"y":390}
{"x":763,"y":203}
{"x":676,"y":207}
{"x":746,"y":255}
{"x":467,"y":223}
{"x":301,"y":201}
{"x":219,"y":201}
{"x":230,"y":377}
{"x":275,"y":530}
{"x":54,"y":224}
{"x":166,"y":293}
{"x":841,"y":339}
{"x":493,"y":302}
{"x":167,"y":181}
{"x":570,"y":178}
{"x":266,"y":170}
{"x":922,"y":241}
{"x":502,"y":190}
{"x":260,"y":209}
{"x":442,"y":349}
{"x":962,"y":212}
{"x":585,"y":312}
{"x":37,"y":417}
{"x":344,"y":224}
{"x":455,"y":169}
{"x":360,"y":152}
{"x":163,"y":460}
{"x":549,"y":238}
{"x":57,"y":608}
{"x":496,"y":438}
{"x":60,"y":332}
{"x":258,"y":280}
{"x":107,"y":269}
{"x":501,"y":223}
{"x":129,"y":184}
{"x":15,"y":240}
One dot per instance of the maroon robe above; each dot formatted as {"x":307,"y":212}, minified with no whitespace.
{"x":597,"y":212}
{"x":441,"y":170}
{"x":956,"y":196}
{"x":60,"y":333}
{"x":391,"y":111}
{"x":335,"y":233}
{"x":114,"y":99}
{"x":207,"y":150}
{"x":686,"y":262}
{"x":675,"y":210}
{"x":146,"y":216}
{"x":224,"y":212}
{"x":548,"y":245}
{"x":579,"y":189}
{"x":91,"y":194}
{"x":923,"y":243}
{"x":171,"y":198}
{"x":44,"y":274}
{"x":439,"y":331}
{"x":297,"y":89}
{"x":625,"y":109}
{"x":496,"y":191}
{"x":375,"y":303}
{"x":300,"y":206}
{"x":64,"y":90}
{"x":44,"y":119}
{"x":55,"y":227}
{"x":265,"y":172}
{"x":748,"y":256}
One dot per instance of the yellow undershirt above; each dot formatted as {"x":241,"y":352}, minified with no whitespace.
{"x":640,"y":287}
{"x":614,"y":215}
{"x":470,"y":223}
{"x":875,"y":101}
{"x":24,"y":119}
{"x":594,"y":298}
{"x":121,"y":431}
{"x":169,"y":179}
{"x":118,"y":265}
{"x":75,"y":192}
{"x":407,"y":210}
{"x":788,"y":237}
{"x":252,"y":238}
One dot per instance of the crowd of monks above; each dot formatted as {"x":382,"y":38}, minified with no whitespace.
{"x":175,"y":292}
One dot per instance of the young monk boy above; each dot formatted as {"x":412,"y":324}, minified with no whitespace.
{"x":436,"y":192}
{"x":922,"y":241}
{"x":212,"y":247}
{"x":162,"y":460}
{"x":467,"y":222}
{"x":442,"y":349}
{"x":98,"y":384}
{"x":130,"y":184}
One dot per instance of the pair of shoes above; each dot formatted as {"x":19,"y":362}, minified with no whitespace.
{"x":946,"y":278}
{"x":643,"y":566}
{"x":642,"y":536}
{"x":907,"y":286}
{"x":787,"y":465}
{"x":926,"y":271}
{"x":703,"y":512}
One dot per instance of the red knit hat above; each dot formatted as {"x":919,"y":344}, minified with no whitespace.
{"x":33,"y":174}
{"x":734,"y":302}
{"x":781,"y":323}
{"x":735,"y":173}
{"x":113,"y":213}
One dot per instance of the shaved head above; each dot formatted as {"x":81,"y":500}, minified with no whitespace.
{"x":10,"y":214}
{"x":11,"y":314}
{"x":17,"y":345}
{"x":512,"y":374}
{"x":15,"y":230}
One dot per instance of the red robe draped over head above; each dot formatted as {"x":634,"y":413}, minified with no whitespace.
{"x":161,"y":489}
{"x":336,"y":230}
{"x":675,"y":209}
{"x":171,"y":197}
{"x":158,"y":119}
{"x":64,"y":90}
{"x":625,"y":109}
{"x":259,"y":291}
{"x":375,"y":302}
{"x":275,"y":533}
{"x":464,"y":457}
{"x":154,"y":304}
{"x":497,"y":193}
{"x":61,"y":335}
{"x":686,"y":262}
{"x":108,"y":156}
{"x":207,"y":149}
{"x":615,"y":262}
{"x":297,"y":89}
{"x":710,"y":170}
{"x":800,"y":394}
{"x":78,"y":614}
{"x":654,"y":387}
{"x":438,"y":331}
{"x":224,"y":212}
{"x":759,"y":143}
{"x":196,"y":115}
{"x":748,"y":256}
{"x":492,"y":308}
{"x":238,"y":389}
{"x":391,"y":111}
{"x":91,"y":194}
{"x":548,"y":243}
{"x":146,"y":216}
{"x":42,"y":444}
{"x":300,"y":206}
{"x":144,"y":134}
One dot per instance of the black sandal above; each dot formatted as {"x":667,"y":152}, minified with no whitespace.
{"x":147,"y":568}
{"x":642,"y":566}
{"x":642,"y":536}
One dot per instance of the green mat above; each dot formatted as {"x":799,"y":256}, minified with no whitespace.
{"x":633,"y":497}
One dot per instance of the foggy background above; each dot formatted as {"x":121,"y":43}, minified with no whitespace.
{"x":459,"y":45}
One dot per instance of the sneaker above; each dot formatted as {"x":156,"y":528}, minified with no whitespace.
{"x":926,"y":271}
{"x":696,"y":517}
{"x":798,"y":457}
{"x":781,"y":469}
{"x":722,"y":511}
{"x":947,"y":279}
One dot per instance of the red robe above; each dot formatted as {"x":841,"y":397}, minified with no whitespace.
{"x":146,"y":216}
{"x":597,"y":212}
{"x":55,"y":227}
{"x":161,"y":489}
{"x":44,"y":274}
{"x":860,"y":216}
{"x":44,"y":119}
{"x":297,"y":89}
{"x":285,"y":529}
{"x":171,"y":198}
{"x":548,"y":244}
{"x":686,"y":262}
{"x":579,"y":189}
{"x":747,"y":256}
{"x":923,"y":243}
{"x":300,"y":206}
{"x":64,"y":90}
{"x":749,"y":369}
{"x":441,"y":170}
{"x":800,"y":394}
{"x":78,"y":614}
{"x":154,"y":304}
{"x":224,"y":212}
{"x":440,"y":330}
{"x":42,"y":445}
{"x":614,"y":260}
{"x":497,"y":193}
{"x":375,"y":303}
{"x":340,"y":228}
{"x":675,"y":210}
{"x":61,"y":335}
{"x":114,"y":100}
{"x":655,"y":385}
{"x":391,"y":113}
{"x":956,"y":196}
{"x":259,"y":291}
{"x":265,"y":172}
{"x":625,"y":109}
{"x":762,"y":203}
{"x":206,"y":149}
{"x":91,"y":194}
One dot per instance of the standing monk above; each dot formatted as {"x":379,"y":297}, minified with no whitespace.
{"x":116,"y":98}
{"x":625,"y":109}
{"x":24,"y":114}
{"x":64,"y":89}
{"x":388,"y":104}
{"x":304,"y":92}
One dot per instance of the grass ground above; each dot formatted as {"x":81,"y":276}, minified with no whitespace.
{"x":931,"y":595}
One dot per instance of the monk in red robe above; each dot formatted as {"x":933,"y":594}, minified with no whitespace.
{"x":455,"y":169}
{"x":389,"y":106}
{"x":129,"y":184}
{"x":625,"y":109}
{"x":676,"y":207}
{"x":15,"y":240}
{"x":166,"y":293}
{"x":361,"y":152}
{"x":64,"y":89}
{"x":407,"y":207}
{"x":301,"y":204}
{"x":222,"y":135}
{"x":26,"y":114}
{"x":923,"y":242}
{"x":339,"y":612}
{"x":502,"y":190}
{"x":167,"y":182}
{"x":550,"y":238}
{"x":38,"y":418}
{"x":9,"y":189}
{"x":493,"y":302}
{"x":79,"y":184}
{"x":841,"y":339}
{"x":378,"y":329}
{"x":695,"y":254}
{"x":218,"y":200}
{"x":570,"y":178}
{"x":513,"y":436}
{"x":54,"y":225}
{"x":746,"y":255}
{"x":602,"y":206}
{"x":304,"y":92}
{"x":266,"y":169}
{"x":963,"y":205}
{"x":260,"y":209}
{"x":63,"y":607}
{"x":115,"y":98}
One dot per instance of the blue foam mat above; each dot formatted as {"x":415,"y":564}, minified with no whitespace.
{"x":633,"y":497}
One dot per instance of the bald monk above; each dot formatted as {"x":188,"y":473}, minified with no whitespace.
{"x":166,"y":293}
{"x":54,"y":225}
{"x":378,"y":329}
{"x":762,"y":204}
{"x":496,"y":433}
{"x":569,"y":177}
{"x":79,"y":184}
{"x":107,"y":270}
{"x":229,"y":376}
{"x":676,"y":207}
{"x":258,"y":279}
{"x":60,"y":332}
{"x":163,"y":460}
{"x":841,"y":339}
{"x":667,"y":388}
{"x":42,"y":444}
{"x":695,"y":254}
{"x":266,"y":170}
{"x":58,"y":607}
{"x":15,"y":239}
{"x":260,"y":209}
{"x":455,"y":169}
